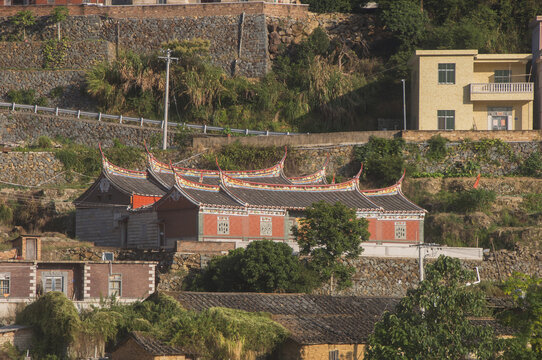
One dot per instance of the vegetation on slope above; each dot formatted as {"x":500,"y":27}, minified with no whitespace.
{"x":216,"y":333}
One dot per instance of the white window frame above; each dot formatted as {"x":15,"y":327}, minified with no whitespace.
{"x":400,"y":230}
{"x":114,"y":278}
{"x":448,"y":70}
{"x":5,"y":278}
{"x":504,"y":76}
{"x":266,"y":226}
{"x":53,"y":279}
{"x":223,"y":225}
{"x":448,"y":116}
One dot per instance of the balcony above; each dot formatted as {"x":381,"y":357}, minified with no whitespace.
{"x":520,"y":91}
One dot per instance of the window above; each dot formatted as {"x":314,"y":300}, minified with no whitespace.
{"x":446,"y":119}
{"x":108,"y":256}
{"x":446,"y":73}
{"x":223,"y":225}
{"x":4,"y":283}
{"x":266,"y":226}
{"x":503,"y":76}
{"x":291,"y":224}
{"x":115,"y":285}
{"x":162,"y":2}
{"x":400,"y":230}
{"x":53,"y":283}
{"x":334,"y":355}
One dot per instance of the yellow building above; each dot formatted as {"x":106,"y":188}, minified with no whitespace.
{"x":464,"y":90}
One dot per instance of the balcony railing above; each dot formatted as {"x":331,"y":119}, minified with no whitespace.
{"x":501,"y":88}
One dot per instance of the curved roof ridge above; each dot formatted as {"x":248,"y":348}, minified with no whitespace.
{"x":392,"y":189}
{"x":111,"y":168}
{"x":273,"y":171}
{"x":319,"y":175}
{"x":235,"y":182}
{"x":182,"y":182}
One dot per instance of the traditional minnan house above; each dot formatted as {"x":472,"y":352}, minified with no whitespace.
{"x":320,"y":326}
{"x":117,"y":208}
{"x":238,"y":210}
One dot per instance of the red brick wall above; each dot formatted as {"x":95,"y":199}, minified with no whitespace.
{"x":254,"y":225}
{"x":135,"y":279}
{"x":169,"y":11}
{"x":20,"y":278}
{"x":387,"y":230}
{"x":74,"y":282}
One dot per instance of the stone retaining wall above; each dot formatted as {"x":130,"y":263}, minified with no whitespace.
{"x":29,"y":55}
{"x":43,"y":81}
{"x":373,"y":277}
{"x":29,"y":127}
{"x":29,"y":169}
{"x":392,"y":277}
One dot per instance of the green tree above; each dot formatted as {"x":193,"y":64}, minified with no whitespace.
{"x":55,"y":322}
{"x":432,"y":321}
{"x":527,"y":317}
{"x":264,"y":266}
{"x":383,"y":161}
{"x":22,"y":20}
{"x":331,"y":234}
{"x":405,"y":20}
{"x":59,"y":14}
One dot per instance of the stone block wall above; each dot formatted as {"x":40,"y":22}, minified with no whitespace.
{"x":29,"y":55}
{"x":18,"y":127}
{"x":43,"y":81}
{"x":29,"y":168}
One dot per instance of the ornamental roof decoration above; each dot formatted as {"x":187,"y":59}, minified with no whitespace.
{"x":112,"y":169}
{"x":184,"y":183}
{"x":317,"y":177}
{"x":160,"y":167}
{"x":349,"y":185}
{"x":390,"y":190}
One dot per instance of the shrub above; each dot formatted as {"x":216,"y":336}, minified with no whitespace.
{"x":239,"y":157}
{"x":532,"y":203}
{"x":22,"y":20}
{"x":468,"y":200}
{"x":27,"y":96}
{"x":325,"y":6}
{"x":382,"y":159}
{"x":44,"y":142}
{"x":6,"y":214}
{"x":437,"y":148}
{"x":532,"y":166}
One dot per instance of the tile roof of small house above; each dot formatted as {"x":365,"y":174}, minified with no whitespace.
{"x":310,"y":319}
{"x":131,"y":181}
{"x":153,"y":346}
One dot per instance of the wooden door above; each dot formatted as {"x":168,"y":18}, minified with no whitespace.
{"x":31,"y":249}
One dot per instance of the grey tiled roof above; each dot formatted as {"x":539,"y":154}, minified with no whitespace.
{"x":311,"y":319}
{"x":153,"y":346}
{"x":394,"y":202}
{"x":220,"y":198}
{"x":300,"y":199}
{"x":285,"y":304}
{"x":136,"y":185}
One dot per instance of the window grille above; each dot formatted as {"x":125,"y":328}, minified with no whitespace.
{"x":334,"y":355}
{"x":223,"y":225}
{"x":266,"y":226}
{"x":400,"y":230}
{"x":446,"y":73}
{"x":115,"y":285}
{"x":54,"y":283}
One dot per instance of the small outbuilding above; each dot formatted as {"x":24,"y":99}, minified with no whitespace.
{"x":140,"y":346}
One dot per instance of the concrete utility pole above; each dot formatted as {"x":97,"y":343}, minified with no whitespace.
{"x":168,"y":59}
{"x":421,"y":257}
{"x":404,"y":105}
